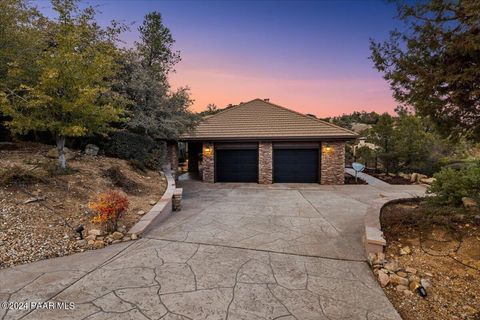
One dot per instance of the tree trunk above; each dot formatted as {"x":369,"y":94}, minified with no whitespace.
{"x":61,"y":152}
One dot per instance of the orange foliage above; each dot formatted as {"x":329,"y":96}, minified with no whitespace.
{"x":109,"y":207}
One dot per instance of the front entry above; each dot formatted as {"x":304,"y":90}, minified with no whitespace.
{"x":236,"y":165}
{"x":296,"y":165}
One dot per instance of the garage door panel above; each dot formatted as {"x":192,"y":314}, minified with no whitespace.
{"x":236,"y":165}
{"x":295,"y":165}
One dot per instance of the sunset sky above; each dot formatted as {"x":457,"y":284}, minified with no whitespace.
{"x":311,"y":56}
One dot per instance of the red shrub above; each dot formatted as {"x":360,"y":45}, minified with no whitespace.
{"x":109,"y":207}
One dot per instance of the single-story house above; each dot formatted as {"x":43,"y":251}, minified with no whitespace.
{"x":259,"y":141}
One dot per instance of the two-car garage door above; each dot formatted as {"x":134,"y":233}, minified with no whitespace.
{"x":291,"y":163}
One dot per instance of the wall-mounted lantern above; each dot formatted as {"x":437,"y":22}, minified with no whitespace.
{"x":207,"y":151}
{"x":327,"y":149}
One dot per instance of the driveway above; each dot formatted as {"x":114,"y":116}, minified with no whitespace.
{"x":235,"y":251}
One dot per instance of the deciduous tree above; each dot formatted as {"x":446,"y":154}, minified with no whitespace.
{"x":71,"y":96}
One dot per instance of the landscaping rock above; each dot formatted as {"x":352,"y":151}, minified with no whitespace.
{"x":427,"y":180}
{"x":426,"y":283}
{"x":122,"y":229}
{"x":91,"y":237}
{"x":405,"y":250}
{"x":82,"y":243}
{"x":53,"y":153}
{"x":414,"y":177}
{"x":152,"y":202}
{"x":411,"y":270}
{"x":383,"y":278}
{"x":397,"y":280}
{"x":116,"y":241}
{"x":98,"y":244}
{"x":126,"y":238}
{"x":393,"y":266}
{"x":469,"y":203}
{"x":402,"y":274}
{"x":401,"y":288}
{"x":90,"y":242}
{"x":117,"y":235}
{"x":95,"y":232}
{"x":91,"y":150}
{"x":141,"y":212}
{"x":134,"y":236}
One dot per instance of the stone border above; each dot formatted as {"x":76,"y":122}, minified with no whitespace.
{"x":373,"y":239}
{"x":160,"y":211}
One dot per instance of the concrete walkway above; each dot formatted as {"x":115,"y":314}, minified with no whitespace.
{"x":367,"y":178}
{"x":235,"y":251}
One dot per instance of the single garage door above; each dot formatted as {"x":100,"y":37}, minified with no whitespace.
{"x":295,"y":165}
{"x":236,"y":165}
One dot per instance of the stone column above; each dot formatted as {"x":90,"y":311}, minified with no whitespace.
{"x":332,"y":163}
{"x":208,"y":162}
{"x":265,"y":167}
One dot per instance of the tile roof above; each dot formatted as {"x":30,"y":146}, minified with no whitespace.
{"x":259,"y":119}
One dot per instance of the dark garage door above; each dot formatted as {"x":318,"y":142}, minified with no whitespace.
{"x":295,"y":165}
{"x":236,"y":165}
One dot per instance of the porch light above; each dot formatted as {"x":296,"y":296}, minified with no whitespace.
{"x":327,"y":149}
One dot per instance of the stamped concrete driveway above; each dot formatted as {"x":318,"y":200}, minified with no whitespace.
{"x":235,"y":251}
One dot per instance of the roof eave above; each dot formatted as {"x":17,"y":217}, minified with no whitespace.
{"x":278,"y":138}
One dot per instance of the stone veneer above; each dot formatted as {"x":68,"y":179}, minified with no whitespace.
{"x":208,"y":162}
{"x":333,"y":163}
{"x":265,"y":166}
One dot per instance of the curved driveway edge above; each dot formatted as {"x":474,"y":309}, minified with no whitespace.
{"x":286,"y":252}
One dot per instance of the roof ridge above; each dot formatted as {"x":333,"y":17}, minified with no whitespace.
{"x":304,"y":115}
{"x":224,"y":110}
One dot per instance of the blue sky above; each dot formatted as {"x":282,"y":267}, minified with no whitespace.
{"x":309,"y":55}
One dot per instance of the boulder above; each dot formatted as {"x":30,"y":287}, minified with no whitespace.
{"x":393,"y":266}
{"x":405,"y":250}
{"x":469,"y":203}
{"x":117,"y":235}
{"x":91,"y":150}
{"x":383,"y":278}
{"x":53,"y":153}
{"x":95,"y":232}
{"x":401,"y":288}
{"x":428,"y":181}
{"x":411,"y":270}
{"x":91,"y":237}
{"x":414,"y":177}
{"x":99,"y":244}
{"x":397,"y":280}
{"x":426,"y":283}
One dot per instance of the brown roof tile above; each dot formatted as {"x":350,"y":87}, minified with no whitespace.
{"x":259,"y":119}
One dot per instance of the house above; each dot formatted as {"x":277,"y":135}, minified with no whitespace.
{"x":262,"y":142}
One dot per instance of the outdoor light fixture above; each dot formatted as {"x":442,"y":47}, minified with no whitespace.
{"x":207,"y":149}
{"x":327,"y":149}
{"x":79,"y":230}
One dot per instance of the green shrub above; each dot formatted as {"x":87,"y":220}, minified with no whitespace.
{"x":451,"y":185}
{"x":138,"y":149}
